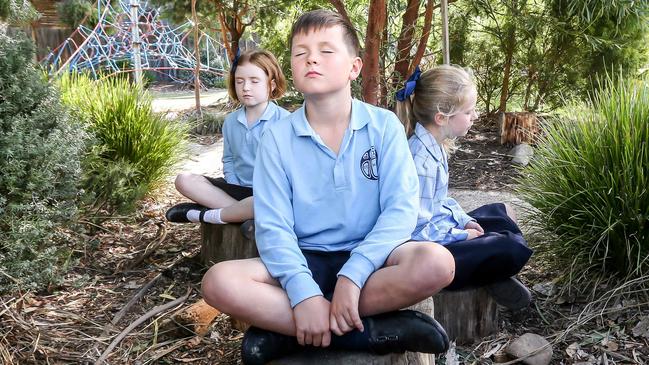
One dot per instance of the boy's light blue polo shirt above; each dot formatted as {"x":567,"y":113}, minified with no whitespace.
{"x":363,"y":200}
{"x":240,"y":142}
{"x":441,"y":219}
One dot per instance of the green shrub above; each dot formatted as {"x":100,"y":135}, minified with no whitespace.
{"x":40,"y":151}
{"x":135,"y":147}
{"x":73,"y":12}
{"x":210,"y":122}
{"x":589,"y":182}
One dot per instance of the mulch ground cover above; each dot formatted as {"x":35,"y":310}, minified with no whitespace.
{"x":117,"y":304}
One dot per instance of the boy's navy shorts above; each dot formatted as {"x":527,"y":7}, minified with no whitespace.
{"x":324,"y":267}
{"x":238,"y":192}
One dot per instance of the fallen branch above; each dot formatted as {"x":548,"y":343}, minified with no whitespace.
{"x":144,"y":317}
{"x":144,"y":289}
{"x":134,"y":299}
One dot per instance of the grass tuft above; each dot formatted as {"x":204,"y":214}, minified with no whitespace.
{"x":589,"y":181}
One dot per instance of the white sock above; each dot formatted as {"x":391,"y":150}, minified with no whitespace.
{"x":193,"y":215}
{"x":213,"y":216}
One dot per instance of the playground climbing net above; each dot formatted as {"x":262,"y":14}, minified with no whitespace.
{"x":131,"y":37}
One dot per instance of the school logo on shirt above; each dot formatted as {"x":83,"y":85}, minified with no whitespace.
{"x":368,"y":164}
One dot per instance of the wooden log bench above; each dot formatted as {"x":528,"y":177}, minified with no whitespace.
{"x":467,"y":315}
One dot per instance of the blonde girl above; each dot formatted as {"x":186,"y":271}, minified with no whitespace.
{"x":439,"y":105}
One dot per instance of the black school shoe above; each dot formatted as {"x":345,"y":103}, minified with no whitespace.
{"x":248,"y":229}
{"x":260,"y":346}
{"x":406,"y":330}
{"x":178,"y":213}
{"x":392,"y":332}
{"x":510,"y":293}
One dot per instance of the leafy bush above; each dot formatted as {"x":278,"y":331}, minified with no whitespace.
{"x":210,"y":123}
{"x":73,"y":12}
{"x":135,"y":147}
{"x":40,"y":151}
{"x":17,"y":11}
{"x":589,"y":181}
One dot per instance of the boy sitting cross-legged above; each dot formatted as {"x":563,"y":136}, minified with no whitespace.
{"x":336,"y":199}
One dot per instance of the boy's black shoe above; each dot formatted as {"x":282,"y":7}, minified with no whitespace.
{"x":178,"y":213}
{"x":510,"y":293}
{"x":406,"y":330}
{"x":248,"y":229}
{"x":260,"y":346}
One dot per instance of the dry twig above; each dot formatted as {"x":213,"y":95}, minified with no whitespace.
{"x":144,"y":317}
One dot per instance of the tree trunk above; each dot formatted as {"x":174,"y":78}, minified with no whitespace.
{"x":197,"y":66}
{"x":371,"y":71}
{"x":423,"y":42}
{"x":509,"y":55}
{"x":340,"y":8}
{"x":404,"y":44}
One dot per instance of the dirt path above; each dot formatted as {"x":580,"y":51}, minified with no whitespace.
{"x":175,"y":101}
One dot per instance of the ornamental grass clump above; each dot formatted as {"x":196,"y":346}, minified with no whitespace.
{"x":589,"y":182}
{"x":135,"y":148}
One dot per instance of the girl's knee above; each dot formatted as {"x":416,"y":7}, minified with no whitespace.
{"x":185,"y":179}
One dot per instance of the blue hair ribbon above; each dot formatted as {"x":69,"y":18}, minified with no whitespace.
{"x":235,"y":61}
{"x":410,"y":85}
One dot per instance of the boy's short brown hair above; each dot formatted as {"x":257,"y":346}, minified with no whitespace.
{"x":268,"y":63}
{"x":318,"y":19}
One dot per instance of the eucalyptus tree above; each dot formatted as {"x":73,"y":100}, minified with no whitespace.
{"x":228,"y":19}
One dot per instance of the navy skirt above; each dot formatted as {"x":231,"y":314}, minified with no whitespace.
{"x":498,"y":254}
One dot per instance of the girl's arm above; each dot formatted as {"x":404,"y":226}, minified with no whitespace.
{"x":228,"y":158}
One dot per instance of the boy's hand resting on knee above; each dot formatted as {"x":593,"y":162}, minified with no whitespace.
{"x":344,"y":315}
{"x":474,"y":229}
{"x":312,"y":322}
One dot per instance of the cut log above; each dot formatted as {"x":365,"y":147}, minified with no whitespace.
{"x":517,"y":128}
{"x":197,"y":317}
{"x":334,"y":357}
{"x":222,"y":242}
{"x":467,"y":315}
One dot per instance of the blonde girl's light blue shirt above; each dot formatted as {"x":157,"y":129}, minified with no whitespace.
{"x":240,"y":142}
{"x":363,"y":200}
{"x":440,"y":219}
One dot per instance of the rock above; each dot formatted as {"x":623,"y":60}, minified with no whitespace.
{"x":528,"y":343}
{"x":642,"y":328}
{"x":546,"y":289}
{"x":521,"y":154}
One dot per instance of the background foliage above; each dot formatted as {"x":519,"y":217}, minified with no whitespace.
{"x":589,"y":181}
{"x":528,"y":55}
{"x":73,"y":12}
{"x":40,"y":154}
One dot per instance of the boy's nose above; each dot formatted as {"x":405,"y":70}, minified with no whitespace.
{"x":311,"y":59}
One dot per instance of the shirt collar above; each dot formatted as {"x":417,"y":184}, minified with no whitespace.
{"x":266,"y":115}
{"x":359,"y":119}
{"x":429,"y":142}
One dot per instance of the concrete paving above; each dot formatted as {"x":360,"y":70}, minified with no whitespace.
{"x":175,"y":101}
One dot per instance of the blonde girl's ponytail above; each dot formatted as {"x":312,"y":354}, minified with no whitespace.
{"x":443,"y":89}
{"x":404,"y":102}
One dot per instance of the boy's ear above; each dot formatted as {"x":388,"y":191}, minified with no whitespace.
{"x":273,"y":85}
{"x":357,"y":65}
